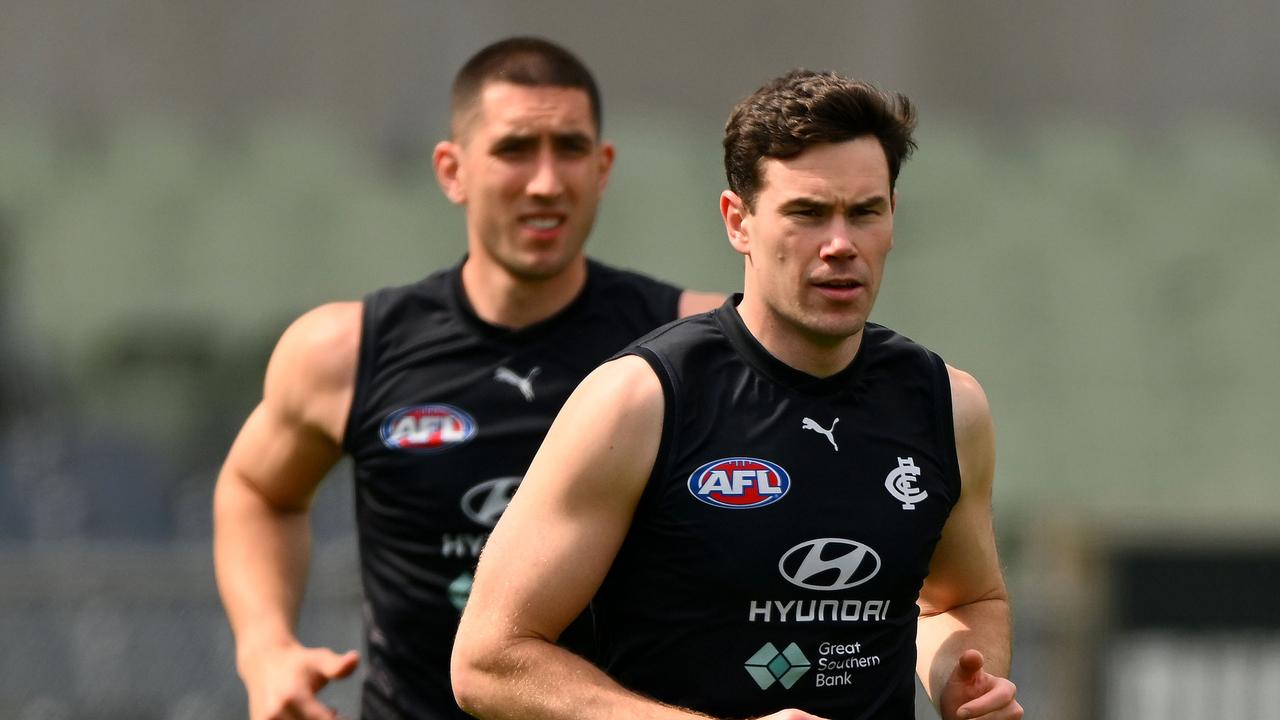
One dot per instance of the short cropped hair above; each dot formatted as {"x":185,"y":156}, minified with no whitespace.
{"x":805,"y":108}
{"x":529,"y":61}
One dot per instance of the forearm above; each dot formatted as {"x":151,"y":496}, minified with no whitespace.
{"x":261,"y":555}
{"x":533,"y":679}
{"x":984,"y":625}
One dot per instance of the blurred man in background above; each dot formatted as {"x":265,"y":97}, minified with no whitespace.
{"x":775,"y":504}
{"x":441,"y":391}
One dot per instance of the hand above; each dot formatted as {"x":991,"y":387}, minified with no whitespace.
{"x":973,"y":694}
{"x":791,"y":714}
{"x":282,"y":684}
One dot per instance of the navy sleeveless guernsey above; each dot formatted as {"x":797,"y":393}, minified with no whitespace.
{"x":777,"y":552}
{"x":448,"y":412}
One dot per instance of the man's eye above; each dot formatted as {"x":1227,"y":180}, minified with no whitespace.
{"x":573,"y":149}
{"x":512,"y":150}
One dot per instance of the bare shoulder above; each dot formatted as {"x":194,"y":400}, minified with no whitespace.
{"x":321,"y":344}
{"x":975,"y":435}
{"x":969,"y":407}
{"x":693,"y":302}
{"x":311,"y":375}
{"x":621,"y":395}
{"x":609,"y":429}
{"x":628,"y":379}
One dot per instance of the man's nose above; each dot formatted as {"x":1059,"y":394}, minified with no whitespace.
{"x":546,"y":181}
{"x":839,"y":242}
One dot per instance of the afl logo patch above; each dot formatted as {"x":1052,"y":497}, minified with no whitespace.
{"x":739,"y":483}
{"x":427,"y":428}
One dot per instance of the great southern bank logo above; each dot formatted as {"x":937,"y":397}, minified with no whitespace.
{"x":768,"y":666}
{"x":427,"y":428}
{"x":739,"y":483}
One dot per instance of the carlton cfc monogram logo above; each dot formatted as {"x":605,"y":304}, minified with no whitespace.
{"x":901,"y":483}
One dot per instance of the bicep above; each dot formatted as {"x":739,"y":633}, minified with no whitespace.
{"x":965,"y":566}
{"x":277,"y":459}
{"x":557,"y":539}
{"x":293,"y":436}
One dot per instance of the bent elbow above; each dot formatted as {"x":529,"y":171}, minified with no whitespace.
{"x":467,"y":677}
{"x":466,"y":691}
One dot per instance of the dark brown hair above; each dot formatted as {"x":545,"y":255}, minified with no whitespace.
{"x":804,"y":108}
{"x":529,"y":61}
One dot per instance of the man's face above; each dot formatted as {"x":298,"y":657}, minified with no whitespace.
{"x":529,"y":168}
{"x":816,"y":241}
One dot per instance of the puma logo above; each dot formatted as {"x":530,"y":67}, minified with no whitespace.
{"x":523,"y":384}
{"x":813,"y":425}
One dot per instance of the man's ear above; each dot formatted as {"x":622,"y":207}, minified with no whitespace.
{"x":736,"y":221}
{"x":447,"y":160}
{"x":893,"y":208}
{"x":606,"y":154}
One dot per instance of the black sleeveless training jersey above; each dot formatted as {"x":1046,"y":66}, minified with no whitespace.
{"x":777,"y":552}
{"x":448,"y":412}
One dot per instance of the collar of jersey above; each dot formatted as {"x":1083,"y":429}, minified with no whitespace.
{"x":771,"y":367}
{"x":463,"y":308}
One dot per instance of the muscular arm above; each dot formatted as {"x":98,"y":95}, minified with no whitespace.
{"x":550,"y":552}
{"x":964,"y":604}
{"x":261,"y":503}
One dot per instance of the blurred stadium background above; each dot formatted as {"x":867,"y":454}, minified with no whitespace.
{"x":1091,"y":226}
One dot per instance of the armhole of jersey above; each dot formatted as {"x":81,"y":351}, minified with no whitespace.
{"x":364,"y":373}
{"x":660,"y":298}
{"x":667,"y":378}
{"x":946,"y":425}
{"x":673,"y":309}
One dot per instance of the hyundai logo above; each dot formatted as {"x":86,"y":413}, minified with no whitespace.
{"x":829,"y":564}
{"x":485,"y":502}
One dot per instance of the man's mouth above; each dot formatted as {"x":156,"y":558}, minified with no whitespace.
{"x":542,"y":222}
{"x":840,"y":289}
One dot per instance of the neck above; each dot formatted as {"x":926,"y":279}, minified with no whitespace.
{"x":812,"y":353}
{"x":500,"y":298}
